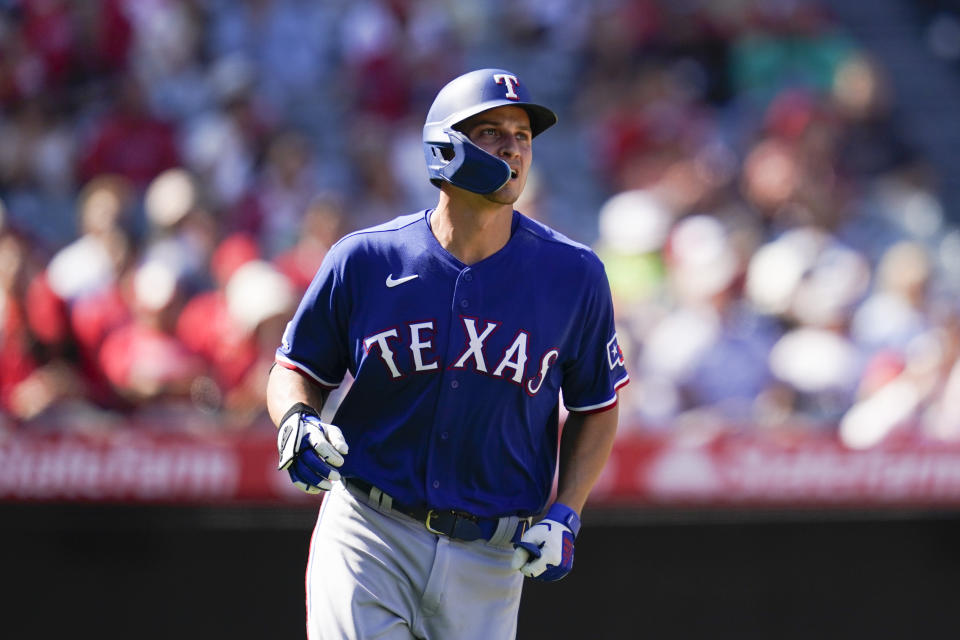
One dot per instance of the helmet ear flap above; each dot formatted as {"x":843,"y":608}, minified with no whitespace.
{"x":471,"y":167}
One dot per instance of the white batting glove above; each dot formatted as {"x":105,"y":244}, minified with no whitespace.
{"x":310,"y":450}
{"x":545,"y":552}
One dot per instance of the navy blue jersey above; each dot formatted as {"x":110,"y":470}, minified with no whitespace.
{"x":458,"y":369}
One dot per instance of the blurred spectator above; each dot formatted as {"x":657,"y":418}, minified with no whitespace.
{"x":941,"y":415}
{"x":222,"y":144}
{"x":235,"y":328}
{"x":260,"y":301}
{"x":371,"y":46}
{"x":892,"y":397}
{"x":16,"y":351}
{"x":37,"y":168}
{"x":92,"y":318}
{"x":106,"y":37}
{"x":37,"y":152}
{"x":181,"y":230}
{"x":37,"y":372}
{"x":50,"y":34}
{"x":868,"y":145}
{"x":709,"y":347}
{"x":896,"y":312}
{"x":374,"y":175}
{"x":322,"y":225}
{"x":288,"y":182}
{"x":166,"y":48}
{"x":143,"y":359}
{"x":206,"y":327}
{"x":786,"y":43}
{"x":129,"y":140}
{"x":812,"y":283}
{"x":91,"y":263}
{"x":291,"y":43}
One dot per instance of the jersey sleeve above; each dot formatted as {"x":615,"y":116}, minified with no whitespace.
{"x":592,"y":378}
{"x":314,"y":341}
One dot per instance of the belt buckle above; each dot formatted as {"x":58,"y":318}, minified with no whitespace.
{"x":430,"y":514}
{"x":521,"y":529}
{"x":463,"y":526}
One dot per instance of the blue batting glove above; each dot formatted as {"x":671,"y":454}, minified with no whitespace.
{"x":310,"y":450}
{"x":545,"y":552}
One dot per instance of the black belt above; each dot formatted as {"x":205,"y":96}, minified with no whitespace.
{"x":459,"y":525}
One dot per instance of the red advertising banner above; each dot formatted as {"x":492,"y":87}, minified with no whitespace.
{"x":142,"y":465}
{"x":813,"y":470}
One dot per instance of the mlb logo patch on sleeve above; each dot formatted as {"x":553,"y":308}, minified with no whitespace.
{"x":614,"y":353}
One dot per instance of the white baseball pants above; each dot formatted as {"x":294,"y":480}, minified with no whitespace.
{"x":373,"y":573}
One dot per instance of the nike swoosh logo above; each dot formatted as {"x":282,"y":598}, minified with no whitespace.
{"x":392,"y":282}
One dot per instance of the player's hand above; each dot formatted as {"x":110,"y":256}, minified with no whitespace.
{"x":310,"y":450}
{"x":545,"y":552}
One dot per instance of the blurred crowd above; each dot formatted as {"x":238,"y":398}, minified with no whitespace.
{"x":173,"y":171}
{"x":779,"y":256}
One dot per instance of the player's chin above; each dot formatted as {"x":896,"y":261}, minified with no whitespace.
{"x":498,"y":197}
{"x":508,"y":193}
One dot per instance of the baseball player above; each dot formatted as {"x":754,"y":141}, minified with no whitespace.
{"x":461,"y":326}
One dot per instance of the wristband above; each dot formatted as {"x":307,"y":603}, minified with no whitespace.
{"x":566,"y":516}
{"x":300,"y":407}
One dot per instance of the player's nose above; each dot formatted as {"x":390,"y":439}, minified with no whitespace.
{"x":509,"y":147}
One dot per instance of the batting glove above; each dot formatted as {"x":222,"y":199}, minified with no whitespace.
{"x":545,"y":552}
{"x":310,"y":449}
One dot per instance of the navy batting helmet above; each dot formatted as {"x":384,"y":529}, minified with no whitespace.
{"x":451,"y":157}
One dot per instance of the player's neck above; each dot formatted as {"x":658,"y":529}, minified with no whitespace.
{"x":471,"y":228}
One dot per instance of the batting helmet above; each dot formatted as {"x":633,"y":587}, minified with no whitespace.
{"x":451,"y":157}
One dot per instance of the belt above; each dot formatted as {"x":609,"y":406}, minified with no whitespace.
{"x":451,"y":523}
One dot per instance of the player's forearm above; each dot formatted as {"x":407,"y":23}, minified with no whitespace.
{"x":585,"y":446}
{"x":286,"y":387}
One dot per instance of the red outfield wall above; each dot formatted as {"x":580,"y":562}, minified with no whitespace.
{"x":649,"y":470}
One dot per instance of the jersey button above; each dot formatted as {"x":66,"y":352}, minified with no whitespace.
{"x":436,"y":484}
{"x":468,"y":277}
{"x":444,"y":435}
{"x":464,"y":304}
{"x":454,"y":385}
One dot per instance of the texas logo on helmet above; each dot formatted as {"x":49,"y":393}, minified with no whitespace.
{"x":510,"y":81}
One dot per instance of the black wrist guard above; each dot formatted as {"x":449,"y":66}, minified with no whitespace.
{"x":300,"y":407}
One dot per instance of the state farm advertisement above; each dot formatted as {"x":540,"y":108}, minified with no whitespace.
{"x":753,"y":471}
{"x":143,"y":466}
{"x":644,"y":470}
